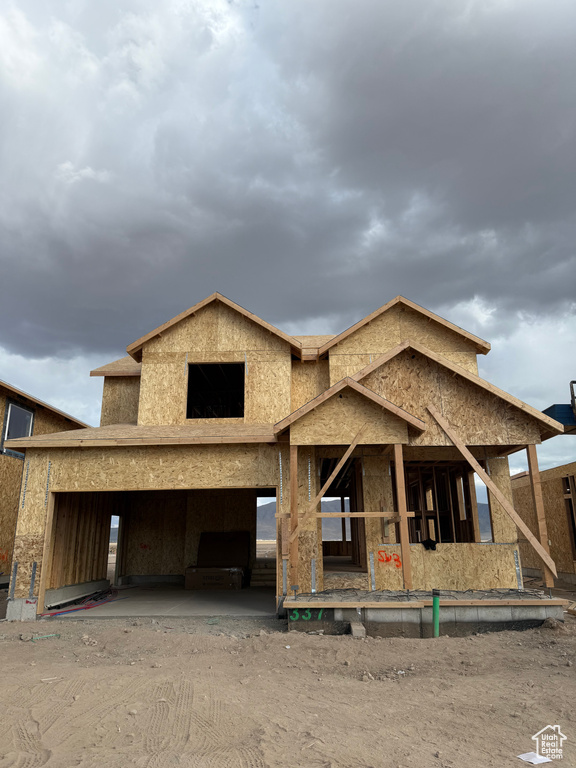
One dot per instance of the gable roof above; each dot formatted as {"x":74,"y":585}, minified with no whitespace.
{"x":482,"y":347}
{"x":126,"y":366}
{"x":135,"y":349}
{"x":41,"y":403}
{"x":528,"y":409}
{"x":368,"y":393}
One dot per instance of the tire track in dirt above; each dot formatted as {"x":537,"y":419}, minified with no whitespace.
{"x":111,"y":706}
{"x":32,"y":753}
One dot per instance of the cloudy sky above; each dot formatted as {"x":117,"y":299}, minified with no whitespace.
{"x":309,"y":159}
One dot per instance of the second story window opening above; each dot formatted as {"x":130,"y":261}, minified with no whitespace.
{"x":215,"y":391}
{"x":18,"y":422}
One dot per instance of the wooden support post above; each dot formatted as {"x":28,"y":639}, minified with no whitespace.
{"x":402,"y":511}
{"x":343,"y":510}
{"x":460,"y":496}
{"x":539,"y":507}
{"x":46,"y":565}
{"x":293,"y":515}
{"x":493,"y":488}
{"x":474,"y":507}
{"x":328,"y":482}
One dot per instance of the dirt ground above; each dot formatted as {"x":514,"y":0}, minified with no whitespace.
{"x":225,"y":693}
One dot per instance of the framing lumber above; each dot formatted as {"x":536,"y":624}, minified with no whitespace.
{"x":403,"y":514}
{"x":46,"y":554}
{"x":290,"y":604}
{"x":474,"y":508}
{"x":328,"y":482}
{"x":493,"y":488}
{"x":294,"y":522}
{"x":538,"y":498}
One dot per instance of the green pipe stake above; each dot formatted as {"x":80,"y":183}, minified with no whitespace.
{"x":436,"y":611}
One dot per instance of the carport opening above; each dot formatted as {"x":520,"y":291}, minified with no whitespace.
{"x":177,"y":552}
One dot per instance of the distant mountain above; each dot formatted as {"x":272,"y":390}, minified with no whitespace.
{"x":332,"y":529}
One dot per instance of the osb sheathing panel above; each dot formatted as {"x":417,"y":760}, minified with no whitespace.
{"x":454,"y":566}
{"x":219,"y":510}
{"x":81,"y":534}
{"x":120,"y":400}
{"x":556,"y":517}
{"x":155,"y":533}
{"x":309,"y":545}
{"x":309,"y":379}
{"x":215,"y":334}
{"x":164,"y":467}
{"x":10,"y":478}
{"x":398,"y":324}
{"x":338,"y":420}
{"x":503,"y":527}
{"x":378,"y":496}
{"x":413,"y":381}
{"x":27,"y":551}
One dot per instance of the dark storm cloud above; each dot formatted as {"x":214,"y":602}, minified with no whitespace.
{"x":309,"y":160}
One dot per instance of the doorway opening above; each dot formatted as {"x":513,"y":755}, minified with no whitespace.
{"x":343,"y":539}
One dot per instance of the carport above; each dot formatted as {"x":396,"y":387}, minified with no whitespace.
{"x":161,"y":535}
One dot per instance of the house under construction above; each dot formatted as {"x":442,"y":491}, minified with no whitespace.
{"x":217,"y":408}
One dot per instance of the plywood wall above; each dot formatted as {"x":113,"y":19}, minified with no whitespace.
{"x":120,"y":400}
{"x":153,"y":533}
{"x":394,"y":326}
{"x":11,"y":471}
{"x":378,"y":496}
{"x":81,"y":538}
{"x":309,"y":543}
{"x":216,"y":333}
{"x":413,"y":381}
{"x":338,"y":420}
{"x":503,"y":528}
{"x":10,"y":478}
{"x":219,"y":510}
{"x":309,"y":379}
{"x":556,"y":517}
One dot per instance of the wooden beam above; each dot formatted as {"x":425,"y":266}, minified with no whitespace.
{"x":385,"y":515}
{"x":403,"y":514}
{"x":536,"y":484}
{"x":293,"y":559}
{"x":328,"y":482}
{"x":460,"y":495}
{"x":46,"y":565}
{"x":493,"y":488}
{"x":474,"y":507}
